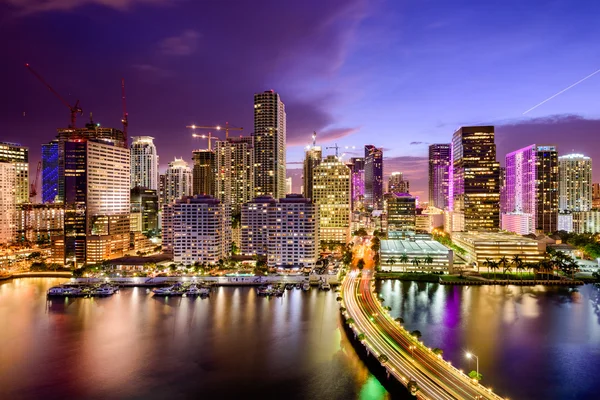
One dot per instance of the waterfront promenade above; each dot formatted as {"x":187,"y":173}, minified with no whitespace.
{"x":407,"y":358}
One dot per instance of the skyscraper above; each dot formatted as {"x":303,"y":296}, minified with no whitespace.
{"x":19,"y":156}
{"x":397,"y":184}
{"x":401,"y":215}
{"x":255,"y":226}
{"x":96,"y":190}
{"x":144,"y":162}
{"x":331,"y":192}
{"x":8,"y":206}
{"x":439,"y":163}
{"x":269,"y":145}
{"x":178,"y":181}
{"x":357,"y":183}
{"x":50,"y":172}
{"x":476,"y":180}
{"x":91,"y":131}
{"x":197,"y":229}
{"x":575,"y":182}
{"x":144,"y":210}
{"x":204,"y":172}
{"x":531,"y":187}
{"x":373,"y":177}
{"x":312,"y":158}
{"x":234,"y":182}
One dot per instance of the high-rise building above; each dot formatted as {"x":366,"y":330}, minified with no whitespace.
{"x":204,"y":172}
{"x":255,"y":224}
{"x":357,"y":183}
{"x":331,"y":192}
{"x":596,"y":195}
{"x":269,"y":145}
{"x":197,"y":229}
{"x":144,"y":162}
{"x":234,"y":184}
{"x":286,"y":231}
{"x":401,"y":215}
{"x":531,"y":187}
{"x":575,"y":182}
{"x":19,"y":156}
{"x":373,"y":177}
{"x":475,"y":184}
{"x":293,"y":231}
{"x":8,"y":210}
{"x":50,"y":172}
{"x":144,"y":210}
{"x":178,"y":181}
{"x":38,"y":223}
{"x":289,"y":185}
{"x":91,"y":131}
{"x":312,"y":158}
{"x":439,"y":164}
{"x":96,"y":190}
{"x":397,"y":184}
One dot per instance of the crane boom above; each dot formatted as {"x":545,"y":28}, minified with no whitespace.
{"x":125,"y":121}
{"x":76,"y":109}
{"x":34,"y":185}
{"x":226,"y":128}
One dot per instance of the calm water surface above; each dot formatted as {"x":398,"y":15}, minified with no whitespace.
{"x":134,"y":346}
{"x":532,"y":342}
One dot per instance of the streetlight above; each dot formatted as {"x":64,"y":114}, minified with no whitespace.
{"x":470,"y":355}
{"x":412,"y":351}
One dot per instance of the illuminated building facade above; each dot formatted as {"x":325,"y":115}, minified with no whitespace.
{"x":255,"y":224}
{"x":204,"y":172}
{"x":357,"y":183}
{"x":397,"y":184}
{"x":531,"y":188}
{"x":401,"y":215}
{"x":144,"y":162}
{"x":400,"y":255}
{"x":269,"y":145}
{"x":50,"y":172}
{"x":197,"y":229}
{"x":586,"y":221}
{"x":178,"y":181}
{"x":312,"y":159}
{"x":439,"y":165}
{"x":575,"y":182}
{"x":38,"y":223}
{"x":8,"y":189}
{"x":144,"y":210}
{"x":475,"y":184}
{"x":19,"y":156}
{"x":373,"y":177}
{"x":331,"y":192}
{"x":234,"y":179}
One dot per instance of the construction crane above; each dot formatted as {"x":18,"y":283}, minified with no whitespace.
{"x":226,"y":128}
{"x":75,"y":109}
{"x":336,"y":147}
{"x":209,"y":137}
{"x":124,"y":120}
{"x":33,"y":186}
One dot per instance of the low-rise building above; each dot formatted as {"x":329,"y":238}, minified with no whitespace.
{"x":480,"y":246}
{"x":519,"y":223}
{"x":586,"y":221}
{"x":415,"y":255}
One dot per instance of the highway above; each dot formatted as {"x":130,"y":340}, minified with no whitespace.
{"x":408,"y":359}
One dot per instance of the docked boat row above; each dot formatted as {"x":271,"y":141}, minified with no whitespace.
{"x":181,"y":290}
{"x":101,"y":290}
{"x":279,"y":289}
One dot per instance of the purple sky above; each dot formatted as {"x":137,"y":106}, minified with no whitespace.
{"x":397,"y":74}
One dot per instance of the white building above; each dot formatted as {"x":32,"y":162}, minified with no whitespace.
{"x":519,"y":223}
{"x":575,"y":182}
{"x":565,"y":221}
{"x":178,"y":181}
{"x":286,"y":231}
{"x":415,"y":255}
{"x":8,"y":210}
{"x":586,"y":222}
{"x":197,"y":229}
{"x":288,"y":185}
{"x":331,"y":192}
{"x":144,"y":162}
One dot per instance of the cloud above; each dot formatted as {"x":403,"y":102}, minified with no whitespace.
{"x":25,"y":7}
{"x":180,"y":45}
{"x":417,"y":143}
{"x":151,"y":69}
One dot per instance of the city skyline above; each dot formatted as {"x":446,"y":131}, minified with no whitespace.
{"x":325,"y":78}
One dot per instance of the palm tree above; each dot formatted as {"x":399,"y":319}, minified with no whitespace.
{"x":404,"y":260}
{"x":488,"y":263}
{"x":494,"y":266}
{"x":518,"y":263}
{"x":428,"y":260}
{"x":415,"y":261}
{"x":391,"y":261}
{"x":505,"y":264}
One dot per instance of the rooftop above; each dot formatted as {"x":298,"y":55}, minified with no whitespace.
{"x":410,"y":246}
{"x":496,"y":237}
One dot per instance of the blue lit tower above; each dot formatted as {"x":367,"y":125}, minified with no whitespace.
{"x":49,"y":171}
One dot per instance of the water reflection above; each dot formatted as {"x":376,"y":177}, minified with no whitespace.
{"x":532,"y":342}
{"x":132,"y":346}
